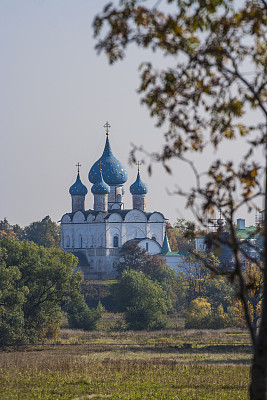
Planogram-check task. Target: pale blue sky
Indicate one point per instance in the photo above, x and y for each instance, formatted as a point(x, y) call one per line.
point(55, 96)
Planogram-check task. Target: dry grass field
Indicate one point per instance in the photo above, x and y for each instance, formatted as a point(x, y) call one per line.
point(170, 364)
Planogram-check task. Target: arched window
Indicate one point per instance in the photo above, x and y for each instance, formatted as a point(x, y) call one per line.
point(81, 242)
point(115, 241)
point(68, 241)
point(146, 246)
point(153, 237)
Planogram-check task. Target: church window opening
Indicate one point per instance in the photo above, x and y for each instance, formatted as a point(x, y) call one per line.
point(68, 241)
point(116, 241)
point(146, 246)
point(81, 242)
point(153, 237)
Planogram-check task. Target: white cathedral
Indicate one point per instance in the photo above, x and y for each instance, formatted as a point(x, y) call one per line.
point(96, 235)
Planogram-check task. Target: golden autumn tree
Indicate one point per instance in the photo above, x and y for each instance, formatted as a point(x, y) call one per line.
point(217, 71)
point(254, 282)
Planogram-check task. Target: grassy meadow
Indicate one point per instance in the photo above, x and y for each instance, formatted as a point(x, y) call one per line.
point(169, 364)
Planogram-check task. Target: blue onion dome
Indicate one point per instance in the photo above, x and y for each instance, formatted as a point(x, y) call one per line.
point(138, 187)
point(113, 171)
point(78, 189)
point(100, 187)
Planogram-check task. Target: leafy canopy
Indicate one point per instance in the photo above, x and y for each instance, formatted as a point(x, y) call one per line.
point(212, 44)
point(44, 233)
point(144, 301)
point(217, 71)
point(133, 257)
point(35, 283)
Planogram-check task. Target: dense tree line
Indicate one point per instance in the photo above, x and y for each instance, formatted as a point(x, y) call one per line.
point(44, 233)
point(148, 290)
point(36, 284)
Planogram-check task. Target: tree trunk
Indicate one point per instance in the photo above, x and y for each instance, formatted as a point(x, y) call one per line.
point(258, 386)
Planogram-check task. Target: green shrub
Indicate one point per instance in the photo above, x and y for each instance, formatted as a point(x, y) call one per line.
point(143, 301)
point(80, 316)
point(12, 328)
point(95, 292)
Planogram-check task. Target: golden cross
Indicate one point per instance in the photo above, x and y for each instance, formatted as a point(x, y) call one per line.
point(107, 126)
point(100, 166)
point(78, 165)
point(138, 165)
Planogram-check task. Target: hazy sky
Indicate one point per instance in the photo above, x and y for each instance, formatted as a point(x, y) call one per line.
point(55, 96)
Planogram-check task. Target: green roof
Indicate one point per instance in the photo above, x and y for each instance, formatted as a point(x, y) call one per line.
point(174, 253)
point(165, 248)
point(170, 254)
point(249, 232)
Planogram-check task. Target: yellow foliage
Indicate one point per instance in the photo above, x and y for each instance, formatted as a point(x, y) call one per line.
point(198, 310)
point(10, 234)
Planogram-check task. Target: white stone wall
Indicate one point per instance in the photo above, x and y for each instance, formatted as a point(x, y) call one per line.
point(101, 202)
point(135, 225)
point(79, 233)
point(200, 243)
point(177, 262)
point(118, 194)
point(77, 203)
point(150, 245)
point(115, 198)
point(112, 194)
point(95, 238)
point(139, 202)
point(157, 227)
point(102, 263)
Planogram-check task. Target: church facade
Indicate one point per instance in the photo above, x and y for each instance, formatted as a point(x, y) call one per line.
point(96, 235)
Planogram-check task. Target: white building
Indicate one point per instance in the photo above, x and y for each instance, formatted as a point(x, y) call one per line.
point(96, 235)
